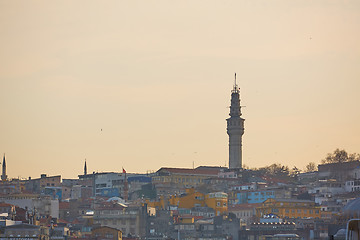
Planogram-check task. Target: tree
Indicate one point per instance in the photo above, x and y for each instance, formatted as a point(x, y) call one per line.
point(274, 169)
point(311, 167)
point(340, 156)
point(295, 171)
point(244, 166)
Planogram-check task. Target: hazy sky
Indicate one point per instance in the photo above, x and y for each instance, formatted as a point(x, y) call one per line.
point(156, 77)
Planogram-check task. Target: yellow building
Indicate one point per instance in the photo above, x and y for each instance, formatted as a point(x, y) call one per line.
point(289, 208)
point(217, 201)
point(189, 200)
point(186, 220)
point(169, 181)
point(156, 204)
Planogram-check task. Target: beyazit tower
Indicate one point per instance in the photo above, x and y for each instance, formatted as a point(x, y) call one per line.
point(235, 129)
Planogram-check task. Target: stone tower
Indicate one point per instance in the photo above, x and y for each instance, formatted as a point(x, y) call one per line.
point(3, 175)
point(235, 129)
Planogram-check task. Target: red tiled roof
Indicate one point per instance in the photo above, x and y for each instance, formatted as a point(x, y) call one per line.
point(5, 205)
point(76, 221)
point(191, 171)
point(27, 191)
point(64, 205)
point(62, 221)
point(224, 179)
point(44, 220)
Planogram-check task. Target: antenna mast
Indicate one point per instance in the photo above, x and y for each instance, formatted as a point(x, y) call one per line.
point(235, 85)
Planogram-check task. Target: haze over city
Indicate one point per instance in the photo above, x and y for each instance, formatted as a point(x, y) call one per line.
point(146, 84)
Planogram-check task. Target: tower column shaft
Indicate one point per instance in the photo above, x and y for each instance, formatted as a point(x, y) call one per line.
point(235, 151)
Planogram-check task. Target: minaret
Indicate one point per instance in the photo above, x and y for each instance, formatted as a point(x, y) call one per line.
point(3, 175)
point(235, 129)
point(85, 168)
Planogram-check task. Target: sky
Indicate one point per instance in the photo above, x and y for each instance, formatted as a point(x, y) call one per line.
point(142, 85)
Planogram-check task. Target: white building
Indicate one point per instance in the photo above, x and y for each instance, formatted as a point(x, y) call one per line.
point(352, 186)
point(110, 184)
point(43, 205)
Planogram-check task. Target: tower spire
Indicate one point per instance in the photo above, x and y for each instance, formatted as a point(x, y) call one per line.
point(235, 129)
point(85, 168)
point(3, 175)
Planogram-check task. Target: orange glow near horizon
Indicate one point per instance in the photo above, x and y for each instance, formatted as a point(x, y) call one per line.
point(147, 84)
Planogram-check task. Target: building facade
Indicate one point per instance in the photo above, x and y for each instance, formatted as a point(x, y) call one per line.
point(26, 232)
point(106, 233)
point(129, 219)
point(261, 195)
point(38, 185)
point(288, 208)
point(192, 199)
point(110, 184)
point(169, 181)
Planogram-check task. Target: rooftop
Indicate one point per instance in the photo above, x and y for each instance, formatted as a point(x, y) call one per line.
point(196, 171)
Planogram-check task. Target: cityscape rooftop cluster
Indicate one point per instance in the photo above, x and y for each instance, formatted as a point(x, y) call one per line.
point(206, 202)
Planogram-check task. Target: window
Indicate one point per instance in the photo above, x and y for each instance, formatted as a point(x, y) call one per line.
point(218, 204)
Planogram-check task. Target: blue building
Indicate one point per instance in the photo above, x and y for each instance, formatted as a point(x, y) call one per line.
point(258, 196)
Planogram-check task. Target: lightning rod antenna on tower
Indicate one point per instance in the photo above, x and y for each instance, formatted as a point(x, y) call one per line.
point(235, 85)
